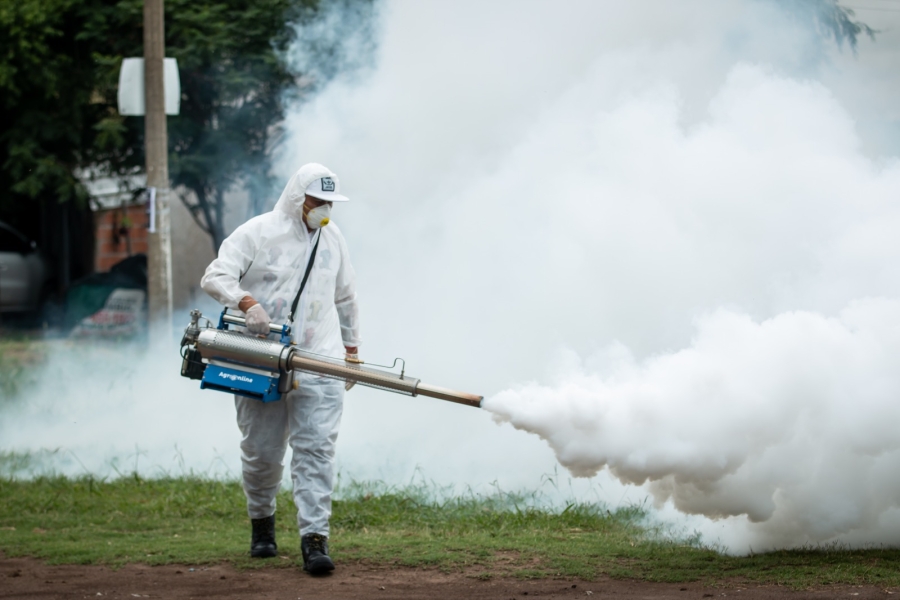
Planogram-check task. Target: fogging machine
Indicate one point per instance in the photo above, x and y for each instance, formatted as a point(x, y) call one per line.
point(261, 368)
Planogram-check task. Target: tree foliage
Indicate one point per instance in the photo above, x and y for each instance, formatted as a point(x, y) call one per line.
point(234, 80)
point(47, 84)
point(59, 74)
point(833, 21)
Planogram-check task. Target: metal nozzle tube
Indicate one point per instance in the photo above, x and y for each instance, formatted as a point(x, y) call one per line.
point(379, 379)
point(433, 391)
point(340, 369)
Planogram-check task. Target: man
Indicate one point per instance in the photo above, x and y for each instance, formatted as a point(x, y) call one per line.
point(259, 271)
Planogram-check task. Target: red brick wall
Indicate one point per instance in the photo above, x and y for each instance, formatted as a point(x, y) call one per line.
point(109, 251)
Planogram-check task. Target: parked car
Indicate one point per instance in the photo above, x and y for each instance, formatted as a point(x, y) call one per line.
point(24, 273)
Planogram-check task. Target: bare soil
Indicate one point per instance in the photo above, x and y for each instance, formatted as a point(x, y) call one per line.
point(32, 578)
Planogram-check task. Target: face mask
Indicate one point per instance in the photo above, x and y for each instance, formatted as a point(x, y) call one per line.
point(319, 216)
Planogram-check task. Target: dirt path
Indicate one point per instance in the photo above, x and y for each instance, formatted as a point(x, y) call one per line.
point(30, 578)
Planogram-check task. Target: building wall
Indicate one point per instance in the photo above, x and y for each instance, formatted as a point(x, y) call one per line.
point(192, 251)
point(118, 234)
point(192, 248)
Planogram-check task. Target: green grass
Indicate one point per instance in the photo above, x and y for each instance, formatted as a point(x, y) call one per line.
point(196, 521)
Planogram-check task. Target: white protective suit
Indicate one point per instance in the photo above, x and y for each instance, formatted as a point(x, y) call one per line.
point(266, 258)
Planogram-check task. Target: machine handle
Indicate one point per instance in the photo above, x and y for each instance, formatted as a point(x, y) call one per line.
point(236, 320)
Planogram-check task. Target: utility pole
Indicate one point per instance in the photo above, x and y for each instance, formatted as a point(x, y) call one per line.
point(159, 267)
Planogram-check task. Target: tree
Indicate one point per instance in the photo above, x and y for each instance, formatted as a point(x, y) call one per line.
point(234, 80)
point(49, 131)
point(46, 80)
point(832, 20)
point(59, 63)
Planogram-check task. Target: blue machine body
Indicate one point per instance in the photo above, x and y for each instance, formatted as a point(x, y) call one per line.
point(244, 381)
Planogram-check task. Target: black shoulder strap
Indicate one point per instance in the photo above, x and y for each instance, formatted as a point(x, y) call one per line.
point(309, 266)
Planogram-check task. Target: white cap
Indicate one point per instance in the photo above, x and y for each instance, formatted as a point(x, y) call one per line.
point(326, 188)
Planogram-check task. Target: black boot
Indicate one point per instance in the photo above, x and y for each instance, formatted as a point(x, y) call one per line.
point(262, 543)
point(315, 554)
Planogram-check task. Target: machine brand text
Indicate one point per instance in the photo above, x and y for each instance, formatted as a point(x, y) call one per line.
point(234, 377)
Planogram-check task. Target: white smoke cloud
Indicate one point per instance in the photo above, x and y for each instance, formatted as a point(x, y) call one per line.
point(789, 421)
point(110, 410)
point(530, 176)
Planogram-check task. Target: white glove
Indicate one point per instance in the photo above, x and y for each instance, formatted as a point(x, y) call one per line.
point(257, 320)
point(350, 358)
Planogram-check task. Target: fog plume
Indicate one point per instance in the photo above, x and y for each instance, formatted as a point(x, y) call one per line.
point(789, 421)
point(699, 200)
